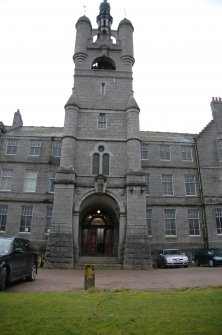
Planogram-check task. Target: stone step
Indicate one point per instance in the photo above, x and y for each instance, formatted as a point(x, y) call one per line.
point(99, 263)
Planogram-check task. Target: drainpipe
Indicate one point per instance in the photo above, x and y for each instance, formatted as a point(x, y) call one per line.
point(204, 226)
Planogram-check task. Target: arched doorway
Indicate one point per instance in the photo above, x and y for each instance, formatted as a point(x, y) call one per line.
point(99, 227)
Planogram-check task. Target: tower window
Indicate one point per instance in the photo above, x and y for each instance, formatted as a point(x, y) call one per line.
point(100, 162)
point(103, 88)
point(103, 63)
point(102, 121)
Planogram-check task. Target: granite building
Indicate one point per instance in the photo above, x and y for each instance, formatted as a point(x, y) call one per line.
point(99, 189)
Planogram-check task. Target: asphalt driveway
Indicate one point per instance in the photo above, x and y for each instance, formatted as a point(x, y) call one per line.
point(156, 279)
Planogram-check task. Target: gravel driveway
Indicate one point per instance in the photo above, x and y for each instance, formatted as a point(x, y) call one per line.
point(156, 279)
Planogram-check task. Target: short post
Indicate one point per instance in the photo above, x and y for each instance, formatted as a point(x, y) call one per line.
point(89, 276)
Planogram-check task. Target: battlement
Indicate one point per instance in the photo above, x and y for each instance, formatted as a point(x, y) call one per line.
point(217, 100)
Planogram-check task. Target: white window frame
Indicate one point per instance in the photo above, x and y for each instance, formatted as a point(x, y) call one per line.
point(35, 148)
point(165, 154)
point(11, 148)
point(26, 219)
point(170, 222)
point(167, 185)
point(30, 181)
point(48, 219)
point(194, 221)
point(3, 216)
point(56, 148)
point(190, 185)
point(187, 153)
point(6, 180)
point(144, 151)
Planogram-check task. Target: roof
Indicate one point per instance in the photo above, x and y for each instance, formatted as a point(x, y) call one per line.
point(36, 131)
point(155, 136)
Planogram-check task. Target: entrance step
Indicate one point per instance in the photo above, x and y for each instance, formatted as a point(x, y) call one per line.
point(99, 262)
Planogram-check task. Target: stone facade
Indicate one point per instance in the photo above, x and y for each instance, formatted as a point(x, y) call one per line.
point(101, 187)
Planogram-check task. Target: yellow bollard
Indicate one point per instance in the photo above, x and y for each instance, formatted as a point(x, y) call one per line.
point(89, 276)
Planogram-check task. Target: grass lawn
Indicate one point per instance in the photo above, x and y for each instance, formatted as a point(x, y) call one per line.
point(123, 312)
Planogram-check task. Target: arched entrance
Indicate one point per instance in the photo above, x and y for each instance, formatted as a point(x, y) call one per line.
point(99, 226)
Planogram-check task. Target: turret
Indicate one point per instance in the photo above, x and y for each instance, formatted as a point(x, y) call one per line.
point(125, 31)
point(133, 135)
point(17, 120)
point(83, 35)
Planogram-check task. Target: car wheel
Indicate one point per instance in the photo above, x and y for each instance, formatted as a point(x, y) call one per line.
point(186, 266)
point(33, 273)
point(211, 262)
point(2, 279)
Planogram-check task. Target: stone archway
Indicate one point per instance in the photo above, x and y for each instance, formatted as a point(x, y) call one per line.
point(99, 226)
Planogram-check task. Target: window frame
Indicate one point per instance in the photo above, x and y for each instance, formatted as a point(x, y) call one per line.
point(167, 185)
point(3, 217)
point(56, 148)
point(187, 153)
point(12, 145)
point(193, 216)
point(30, 180)
point(190, 186)
point(218, 219)
point(144, 151)
point(6, 180)
point(35, 148)
point(102, 121)
point(48, 219)
point(149, 220)
point(169, 220)
point(26, 219)
point(165, 153)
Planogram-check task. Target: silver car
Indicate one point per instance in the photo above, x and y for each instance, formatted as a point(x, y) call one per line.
point(172, 258)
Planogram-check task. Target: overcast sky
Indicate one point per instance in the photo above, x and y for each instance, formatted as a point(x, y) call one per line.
point(177, 49)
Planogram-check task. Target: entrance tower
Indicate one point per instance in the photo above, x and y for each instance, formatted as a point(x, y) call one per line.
point(100, 203)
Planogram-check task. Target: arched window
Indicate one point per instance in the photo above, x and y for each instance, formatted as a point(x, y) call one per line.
point(95, 169)
point(103, 63)
point(105, 167)
point(100, 163)
point(102, 118)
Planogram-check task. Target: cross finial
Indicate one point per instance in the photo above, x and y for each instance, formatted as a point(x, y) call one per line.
point(84, 6)
point(125, 12)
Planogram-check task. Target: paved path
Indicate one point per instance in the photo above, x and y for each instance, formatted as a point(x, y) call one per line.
point(156, 279)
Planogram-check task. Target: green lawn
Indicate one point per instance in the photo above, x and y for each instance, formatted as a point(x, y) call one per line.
point(123, 312)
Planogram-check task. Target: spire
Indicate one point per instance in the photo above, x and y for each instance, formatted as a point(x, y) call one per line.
point(104, 19)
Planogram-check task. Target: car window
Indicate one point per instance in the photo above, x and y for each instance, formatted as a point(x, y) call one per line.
point(18, 243)
point(5, 245)
point(27, 245)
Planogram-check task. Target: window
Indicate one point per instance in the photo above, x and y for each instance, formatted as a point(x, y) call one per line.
point(187, 153)
point(165, 153)
point(30, 181)
point(170, 221)
point(56, 148)
point(52, 182)
point(48, 219)
point(3, 216)
point(105, 166)
point(144, 151)
point(34, 149)
point(167, 184)
point(218, 212)
point(102, 121)
point(190, 184)
point(193, 219)
point(11, 147)
point(148, 221)
point(100, 164)
point(103, 88)
point(147, 181)
point(6, 180)
point(26, 219)
point(95, 164)
point(219, 149)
